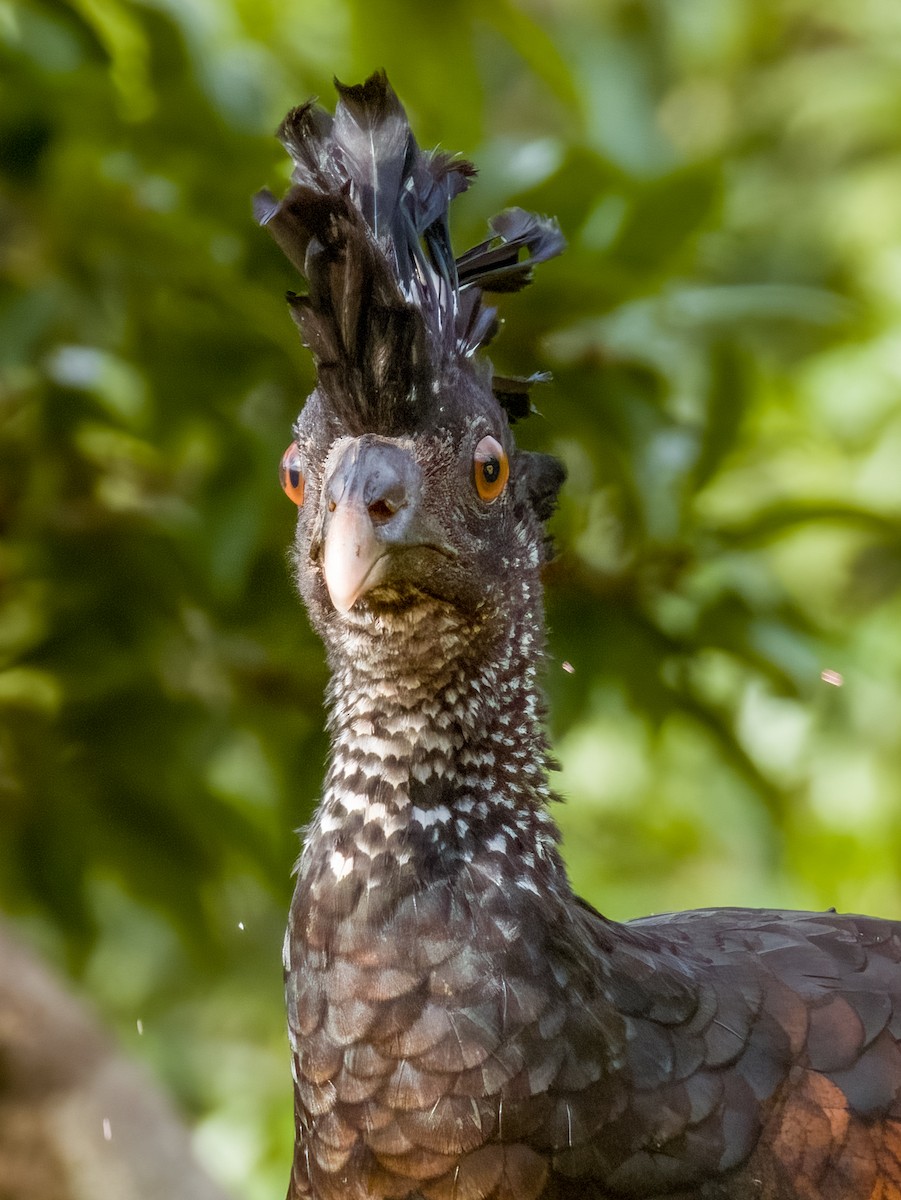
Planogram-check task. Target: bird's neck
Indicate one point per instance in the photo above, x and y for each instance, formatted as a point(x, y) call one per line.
point(439, 755)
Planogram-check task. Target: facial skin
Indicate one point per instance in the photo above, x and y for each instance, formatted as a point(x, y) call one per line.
point(388, 522)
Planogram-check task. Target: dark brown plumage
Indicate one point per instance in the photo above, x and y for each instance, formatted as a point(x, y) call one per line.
point(463, 1026)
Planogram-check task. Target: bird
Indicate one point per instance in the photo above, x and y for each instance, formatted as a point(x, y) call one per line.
point(462, 1025)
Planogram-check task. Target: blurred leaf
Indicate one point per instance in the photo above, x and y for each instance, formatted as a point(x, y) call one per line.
point(663, 216)
point(778, 519)
point(122, 37)
point(728, 397)
point(538, 50)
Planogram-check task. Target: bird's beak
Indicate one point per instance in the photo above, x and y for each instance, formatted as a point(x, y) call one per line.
point(352, 556)
point(371, 509)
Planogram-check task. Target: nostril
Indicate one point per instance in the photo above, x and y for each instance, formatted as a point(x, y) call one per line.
point(383, 509)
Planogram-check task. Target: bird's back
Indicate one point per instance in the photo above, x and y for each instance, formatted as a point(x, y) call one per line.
point(530, 1048)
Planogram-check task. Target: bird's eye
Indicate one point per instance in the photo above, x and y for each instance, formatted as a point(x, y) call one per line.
point(291, 476)
point(492, 469)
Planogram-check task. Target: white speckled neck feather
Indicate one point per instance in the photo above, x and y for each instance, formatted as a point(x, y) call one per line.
point(438, 750)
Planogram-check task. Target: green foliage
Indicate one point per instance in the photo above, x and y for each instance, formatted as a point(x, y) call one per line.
point(722, 333)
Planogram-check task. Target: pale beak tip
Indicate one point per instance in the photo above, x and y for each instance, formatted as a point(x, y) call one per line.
point(343, 602)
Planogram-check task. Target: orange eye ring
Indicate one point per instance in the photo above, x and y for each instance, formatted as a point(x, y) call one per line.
point(290, 475)
point(492, 469)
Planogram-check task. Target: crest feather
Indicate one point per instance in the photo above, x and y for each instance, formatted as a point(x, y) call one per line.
point(366, 223)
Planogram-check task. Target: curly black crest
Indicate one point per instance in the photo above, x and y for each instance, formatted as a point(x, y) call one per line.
point(389, 308)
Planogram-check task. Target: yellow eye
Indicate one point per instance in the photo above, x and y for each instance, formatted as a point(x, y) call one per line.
point(290, 475)
point(492, 469)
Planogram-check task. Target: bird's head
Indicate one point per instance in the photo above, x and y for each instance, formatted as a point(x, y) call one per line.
point(412, 496)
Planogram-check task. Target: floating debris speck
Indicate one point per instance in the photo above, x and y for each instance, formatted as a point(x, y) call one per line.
point(107, 1130)
point(568, 668)
point(835, 678)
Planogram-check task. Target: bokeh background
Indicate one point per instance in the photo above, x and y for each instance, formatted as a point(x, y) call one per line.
point(725, 343)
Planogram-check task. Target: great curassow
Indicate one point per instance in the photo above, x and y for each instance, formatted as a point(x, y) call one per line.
point(463, 1026)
